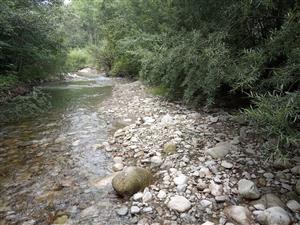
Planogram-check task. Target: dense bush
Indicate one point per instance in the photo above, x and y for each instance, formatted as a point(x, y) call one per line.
point(77, 59)
point(189, 50)
point(31, 42)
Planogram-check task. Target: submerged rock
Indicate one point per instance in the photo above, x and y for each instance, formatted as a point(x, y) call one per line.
point(131, 180)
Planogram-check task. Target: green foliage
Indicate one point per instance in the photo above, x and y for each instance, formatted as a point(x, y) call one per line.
point(192, 53)
point(31, 45)
point(24, 106)
point(77, 59)
point(6, 82)
point(277, 116)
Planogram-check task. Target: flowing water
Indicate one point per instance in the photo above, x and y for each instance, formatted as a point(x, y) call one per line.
point(51, 165)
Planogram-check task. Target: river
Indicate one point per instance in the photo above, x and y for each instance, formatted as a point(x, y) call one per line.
point(51, 164)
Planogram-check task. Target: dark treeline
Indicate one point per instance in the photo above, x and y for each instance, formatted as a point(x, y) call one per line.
point(197, 51)
point(31, 40)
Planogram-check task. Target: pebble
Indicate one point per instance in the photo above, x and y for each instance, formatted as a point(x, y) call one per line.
point(134, 210)
point(294, 206)
point(181, 179)
point(123, 211)
point(179, 204)
point(226, 165)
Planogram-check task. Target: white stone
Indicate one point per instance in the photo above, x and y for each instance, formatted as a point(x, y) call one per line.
point(148, 120)
point(156, 161)
point(226, 165)
point(118, 167)
point(179, 204)
point(167, 120)
point(147, 196)
point(162, 194)
point(274, 216)
point(205, 203)
point(247, 189)
point(147, 209)
point(137, 196)
point(215, 189)
point(204, 172)
point(293, 205)
point(118, 159)
point(181, 179)
point(181, 188)
point(134, 210)
point(208, 223)
point(122, 211)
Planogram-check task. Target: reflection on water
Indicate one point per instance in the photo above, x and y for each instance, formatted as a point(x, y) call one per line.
point(50, 164)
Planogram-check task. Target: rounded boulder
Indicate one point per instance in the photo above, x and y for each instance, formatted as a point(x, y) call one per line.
point(131, 180)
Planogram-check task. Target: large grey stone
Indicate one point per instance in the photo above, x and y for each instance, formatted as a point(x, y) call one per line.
point(220, 150)
point(247, 189)
point(131, 180)
point(239, 215)
point(269, 200)
point(274, 216)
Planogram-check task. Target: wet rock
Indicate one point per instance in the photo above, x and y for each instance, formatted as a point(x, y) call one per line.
point(61, 220)
point(247, 189)
point(170, 148)
point(123, 211)
point(131, 180)
point(274, 216)
point(220, 150)
point(293, 206)
point(269, 200)
point(239, 215)
point(179, 204)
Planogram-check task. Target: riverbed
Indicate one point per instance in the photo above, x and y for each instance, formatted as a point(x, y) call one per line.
point(52, 164)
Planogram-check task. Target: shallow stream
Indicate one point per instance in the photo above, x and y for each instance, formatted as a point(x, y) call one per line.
point(51, 165)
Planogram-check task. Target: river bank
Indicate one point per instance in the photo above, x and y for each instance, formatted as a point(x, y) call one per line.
point(209, 159)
